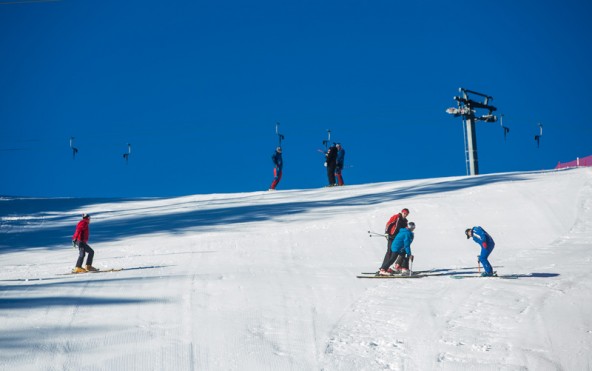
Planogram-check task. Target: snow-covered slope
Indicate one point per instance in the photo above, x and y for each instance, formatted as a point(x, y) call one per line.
point(266, 280)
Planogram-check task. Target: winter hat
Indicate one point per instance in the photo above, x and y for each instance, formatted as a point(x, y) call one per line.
point(405, 210)
point(467, 232)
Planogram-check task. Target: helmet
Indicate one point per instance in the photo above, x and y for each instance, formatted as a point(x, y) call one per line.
point(85, 216)
point(279, 149)
point(411, 225)
point(467, 233)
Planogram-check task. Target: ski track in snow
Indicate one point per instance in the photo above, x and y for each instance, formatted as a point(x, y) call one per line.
point(275, 289)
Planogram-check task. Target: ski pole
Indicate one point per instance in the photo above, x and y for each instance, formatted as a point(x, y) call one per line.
point(478, 264)
point(375, 234)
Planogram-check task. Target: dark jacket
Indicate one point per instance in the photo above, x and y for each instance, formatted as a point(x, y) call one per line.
point(331, 157)
point(277, 160)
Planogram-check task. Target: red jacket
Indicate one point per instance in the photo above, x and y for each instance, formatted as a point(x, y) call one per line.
point(395, 223)
point(82, 231)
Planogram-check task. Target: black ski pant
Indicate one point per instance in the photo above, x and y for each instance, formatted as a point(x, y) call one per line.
point(331, 174)
point(84, 248)
point(387, 255)
point(393, 258)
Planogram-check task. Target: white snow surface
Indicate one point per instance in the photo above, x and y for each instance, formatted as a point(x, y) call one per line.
point(267, 280)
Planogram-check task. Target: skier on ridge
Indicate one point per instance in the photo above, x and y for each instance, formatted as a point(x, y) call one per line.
point(331, 163)
point(277, 170)
point(339, 163)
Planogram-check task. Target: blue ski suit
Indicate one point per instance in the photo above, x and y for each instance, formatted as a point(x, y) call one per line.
point(402, 242)
point(487, 244)
point(339, 165)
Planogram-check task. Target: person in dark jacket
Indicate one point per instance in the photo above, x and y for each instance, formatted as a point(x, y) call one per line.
point(80, 240)
point(331, 163)
point(393, 226)
point(339, 163)
point(487, 244)
point(278, 163)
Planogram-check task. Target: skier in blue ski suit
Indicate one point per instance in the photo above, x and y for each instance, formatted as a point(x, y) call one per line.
point(487, 244)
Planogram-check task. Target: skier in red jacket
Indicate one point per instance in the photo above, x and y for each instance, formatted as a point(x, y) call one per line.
point(80, 240)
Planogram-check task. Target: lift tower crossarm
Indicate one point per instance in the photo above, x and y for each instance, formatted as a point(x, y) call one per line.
point(471, 103)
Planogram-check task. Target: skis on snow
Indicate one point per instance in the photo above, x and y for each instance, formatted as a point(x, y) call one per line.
point(503, 276)
point(415, 274)
point(93, 272)
point(391, 276)
point(435, 273)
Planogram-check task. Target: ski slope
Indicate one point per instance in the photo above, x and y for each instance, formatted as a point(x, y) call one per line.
point(266, 280)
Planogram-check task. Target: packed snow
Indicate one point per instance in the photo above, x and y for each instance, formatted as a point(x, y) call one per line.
point(267, 280)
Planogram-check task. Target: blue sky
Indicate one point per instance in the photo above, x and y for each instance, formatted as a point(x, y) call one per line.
point(197, 88)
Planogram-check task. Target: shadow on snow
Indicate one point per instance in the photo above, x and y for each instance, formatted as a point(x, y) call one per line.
point(137, 224)
point(65, 301)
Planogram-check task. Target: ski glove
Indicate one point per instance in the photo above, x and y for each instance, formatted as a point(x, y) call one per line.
point(74, 243)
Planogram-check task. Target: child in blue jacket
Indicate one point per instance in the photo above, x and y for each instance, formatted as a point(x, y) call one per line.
point(487, 244)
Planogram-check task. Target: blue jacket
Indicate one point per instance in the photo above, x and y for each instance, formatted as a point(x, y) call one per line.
point(277, 160)
point(482, 238)
point(340, 157)
point(402, 242)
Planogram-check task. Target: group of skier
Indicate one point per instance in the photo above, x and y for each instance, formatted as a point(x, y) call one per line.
point(399, 234)
point(334, 161)
point(399, 231)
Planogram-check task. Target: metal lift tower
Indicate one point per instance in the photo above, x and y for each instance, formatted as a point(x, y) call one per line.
point(466, 109)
